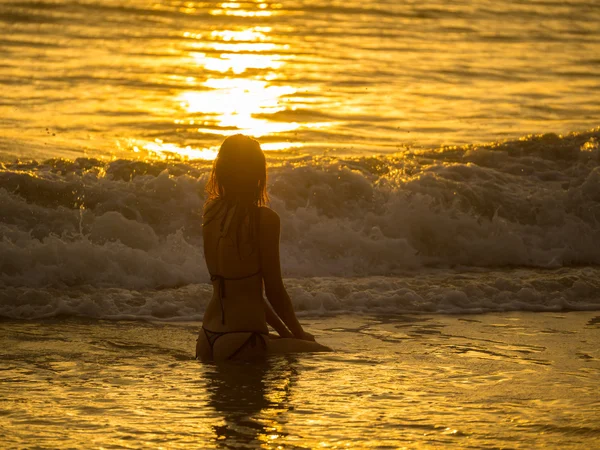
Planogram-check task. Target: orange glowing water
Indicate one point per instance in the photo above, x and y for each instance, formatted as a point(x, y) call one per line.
point(171, 78)
point(520, 380)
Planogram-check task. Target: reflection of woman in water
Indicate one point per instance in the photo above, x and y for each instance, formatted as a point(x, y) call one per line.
point(252, 401)
point(241, 247)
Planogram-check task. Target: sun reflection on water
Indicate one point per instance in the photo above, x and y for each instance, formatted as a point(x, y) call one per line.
point(238, 63)
point(164, 150)
point(234, 9)
point(234, 101)
point(250, 34)
point(239, 86)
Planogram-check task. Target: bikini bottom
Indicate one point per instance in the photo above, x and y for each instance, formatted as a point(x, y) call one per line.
point(252, 341)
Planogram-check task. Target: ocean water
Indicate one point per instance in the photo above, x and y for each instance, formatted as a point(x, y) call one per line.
point(511, 380)
point(436, 168)
point(138, 78)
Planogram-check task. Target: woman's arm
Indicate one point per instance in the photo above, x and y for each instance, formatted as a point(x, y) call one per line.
point(275, 322)
point(271, 271)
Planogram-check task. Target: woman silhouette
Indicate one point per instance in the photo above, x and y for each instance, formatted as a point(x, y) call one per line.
point(241, 247)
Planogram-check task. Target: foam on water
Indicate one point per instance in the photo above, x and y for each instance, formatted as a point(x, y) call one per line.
point(84, 237)
point(429, 291)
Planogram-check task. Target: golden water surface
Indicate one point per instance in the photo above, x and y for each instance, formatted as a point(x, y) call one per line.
point(514, 380)
point(171, 78)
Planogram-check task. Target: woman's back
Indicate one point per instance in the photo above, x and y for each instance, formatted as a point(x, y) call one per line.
point(232, 252)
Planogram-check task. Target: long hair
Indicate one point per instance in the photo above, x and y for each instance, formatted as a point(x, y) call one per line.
point(238, 179)
point(239, 173)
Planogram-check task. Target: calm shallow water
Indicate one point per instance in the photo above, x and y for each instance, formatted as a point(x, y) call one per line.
point(518, 380)
point(136, 79)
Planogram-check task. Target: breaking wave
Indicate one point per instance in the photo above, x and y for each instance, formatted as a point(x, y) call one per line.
point(128, 226)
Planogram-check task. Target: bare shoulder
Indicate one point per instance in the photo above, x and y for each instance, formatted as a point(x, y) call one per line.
point(268, 217)
point(210, 203)
point(211, 209)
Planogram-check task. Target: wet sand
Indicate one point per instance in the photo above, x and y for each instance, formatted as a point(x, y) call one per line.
point(514, 380)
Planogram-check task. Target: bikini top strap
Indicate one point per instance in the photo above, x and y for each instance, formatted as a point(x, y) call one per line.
point(221, 279)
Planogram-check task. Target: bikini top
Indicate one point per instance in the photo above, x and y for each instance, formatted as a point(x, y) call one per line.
point(224, 229)
point(221, 279)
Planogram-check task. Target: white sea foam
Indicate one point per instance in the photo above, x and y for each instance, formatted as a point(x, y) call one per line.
point(430, 291)
point(132, 226)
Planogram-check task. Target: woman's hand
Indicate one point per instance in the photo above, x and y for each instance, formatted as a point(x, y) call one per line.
point(306, 336)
